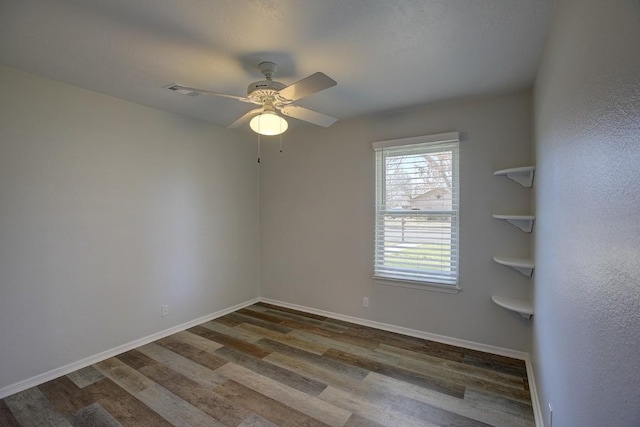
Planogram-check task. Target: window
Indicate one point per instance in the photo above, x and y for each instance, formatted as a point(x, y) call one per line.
point(417, 191)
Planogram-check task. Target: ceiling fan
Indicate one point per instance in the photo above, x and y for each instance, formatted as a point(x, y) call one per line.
point(274, 97)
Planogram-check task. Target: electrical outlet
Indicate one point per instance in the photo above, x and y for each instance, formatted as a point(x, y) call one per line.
point(365, 302)
point(164, 310)
point(550, 415)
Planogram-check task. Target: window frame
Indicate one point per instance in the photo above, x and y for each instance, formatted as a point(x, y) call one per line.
point(405, 277)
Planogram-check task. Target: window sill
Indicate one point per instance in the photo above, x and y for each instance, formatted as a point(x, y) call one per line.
point(423, 286)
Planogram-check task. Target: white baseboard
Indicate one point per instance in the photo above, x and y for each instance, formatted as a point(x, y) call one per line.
point(432, 337)
point(83, 363)
point(535, 401)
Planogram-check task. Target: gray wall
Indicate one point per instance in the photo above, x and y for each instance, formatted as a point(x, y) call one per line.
point(586, 335)
point(107, 211)
point(317, 219)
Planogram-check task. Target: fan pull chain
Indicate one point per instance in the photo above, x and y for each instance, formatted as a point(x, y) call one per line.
point(280, 143)
point(258, 148)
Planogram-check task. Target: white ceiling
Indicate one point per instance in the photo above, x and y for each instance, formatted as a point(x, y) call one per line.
point(384, 54)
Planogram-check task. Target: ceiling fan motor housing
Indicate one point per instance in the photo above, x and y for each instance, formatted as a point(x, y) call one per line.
point(263, 89)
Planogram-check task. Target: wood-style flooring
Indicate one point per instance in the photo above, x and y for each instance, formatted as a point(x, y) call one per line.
point(271, 366)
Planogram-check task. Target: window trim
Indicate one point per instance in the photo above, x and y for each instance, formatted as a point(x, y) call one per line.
point(435, 139)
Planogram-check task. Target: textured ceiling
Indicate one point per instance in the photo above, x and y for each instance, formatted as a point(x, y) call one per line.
point(384, 54)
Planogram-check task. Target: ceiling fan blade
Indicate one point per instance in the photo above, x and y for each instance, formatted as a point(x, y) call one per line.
point(191, 91)
point(245, 118)
point(307, 115)
point(307, 86)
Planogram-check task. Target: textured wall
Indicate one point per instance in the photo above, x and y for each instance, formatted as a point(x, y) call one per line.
point(586, 340)
point(317, 219)
point(107, 211)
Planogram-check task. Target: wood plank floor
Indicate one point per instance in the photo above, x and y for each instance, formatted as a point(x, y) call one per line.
point(271, 366)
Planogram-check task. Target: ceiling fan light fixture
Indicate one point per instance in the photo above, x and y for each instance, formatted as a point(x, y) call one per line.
point(268, 123)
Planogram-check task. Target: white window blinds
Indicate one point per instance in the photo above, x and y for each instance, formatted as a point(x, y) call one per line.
point(417, 193)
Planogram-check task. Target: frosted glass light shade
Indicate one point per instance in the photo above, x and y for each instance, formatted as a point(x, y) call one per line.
point(268, 123)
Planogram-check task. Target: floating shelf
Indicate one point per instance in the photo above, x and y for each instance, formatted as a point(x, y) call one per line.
point(523, 307)
point(523, 222)
point(522, 265)
point(523, 175)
